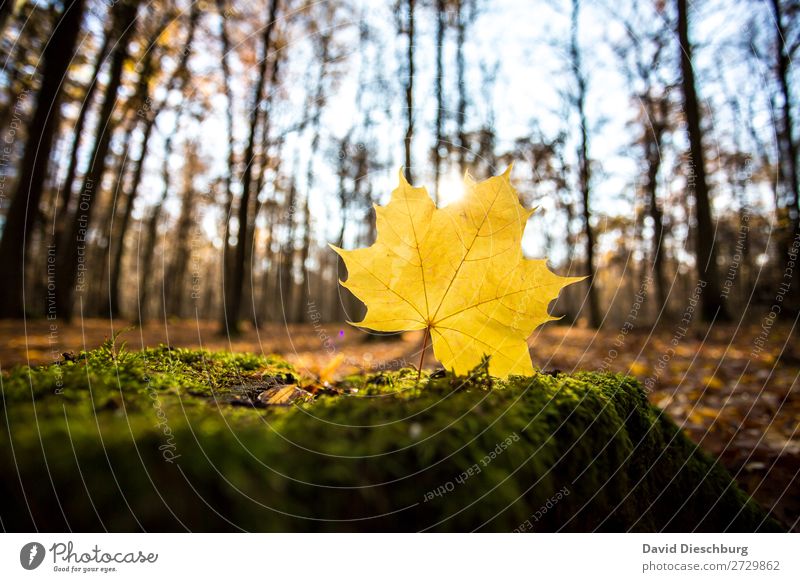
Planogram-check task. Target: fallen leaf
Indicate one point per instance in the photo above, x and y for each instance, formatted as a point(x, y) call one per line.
point(328, 373)
point(639, 369)
point(713, 382)
point(282, 395)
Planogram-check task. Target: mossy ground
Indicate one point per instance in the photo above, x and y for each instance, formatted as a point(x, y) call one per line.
point(169, 439)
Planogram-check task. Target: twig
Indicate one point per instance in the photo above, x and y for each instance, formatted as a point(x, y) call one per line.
point(422, 353)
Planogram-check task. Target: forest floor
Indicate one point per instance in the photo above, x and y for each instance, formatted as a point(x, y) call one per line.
point(733, 389)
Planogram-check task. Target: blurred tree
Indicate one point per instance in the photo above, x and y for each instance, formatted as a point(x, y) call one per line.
point(786, 44)
point(68, 185)
point(144, 264)
point(225, 65)
point(578, 101)
point(145, 115)
point(265, 161)
point(438, 145)
point(465, 15)
point(642, 53)
point(323, 37)
point(71, 248)
point(234, 293)
point(6, 8)
point(406, 25)
point(317, 91)
point(713, 307)
point(175, 284)
point(21, 216)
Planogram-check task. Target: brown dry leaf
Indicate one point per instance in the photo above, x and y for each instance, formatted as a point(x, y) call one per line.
point(283, 395)
point(328, 373)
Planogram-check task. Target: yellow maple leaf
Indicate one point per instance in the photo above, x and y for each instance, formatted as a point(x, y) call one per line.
point(458, 272)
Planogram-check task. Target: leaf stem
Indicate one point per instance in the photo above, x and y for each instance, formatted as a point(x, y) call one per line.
point(422, 353)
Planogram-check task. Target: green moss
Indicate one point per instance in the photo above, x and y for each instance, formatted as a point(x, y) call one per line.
point(168, 439)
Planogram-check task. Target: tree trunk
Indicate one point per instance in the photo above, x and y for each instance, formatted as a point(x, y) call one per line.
point(410, 35)
point(145, 267)
point(118, 241)
point(249, 285)
point(72, 247)
point(787, 163)
point(233, 297)
point(175, 284)
point(287, 259)
point(303, 292)
point(339, 293)
point(712, 306)
point(149, 114)
point(228, 209)
point(102, 250)
point(439, 138)
point(267, 312)
point(584, 165)
point(72, 169)
point(6, 8)
point(303, 289)
point(461, 108)
point(657, 113)
point(24, 209)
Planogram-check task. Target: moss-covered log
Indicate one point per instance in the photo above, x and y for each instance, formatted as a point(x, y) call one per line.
point(179, 439)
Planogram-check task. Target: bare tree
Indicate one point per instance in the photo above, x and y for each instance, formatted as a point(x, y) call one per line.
point(287, 252)
point(786, 12)
point(70, 247)
point(406, 25)
point(231, 144)
point(175, 284)
point(233, 297)
point(465, 14)
point(642, 54)
point(6, 8)
point(712, 307)
point(69, 181)
point(441, 23)
point(146, 113)
point(150, 237)
point(322, 46)
point(21, 216)
point(578, 101)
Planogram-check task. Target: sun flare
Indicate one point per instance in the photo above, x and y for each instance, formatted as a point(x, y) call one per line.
point(451, 189)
